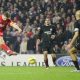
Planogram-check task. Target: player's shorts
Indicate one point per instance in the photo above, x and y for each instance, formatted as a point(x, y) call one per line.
point(47, 46)
point(77, 45)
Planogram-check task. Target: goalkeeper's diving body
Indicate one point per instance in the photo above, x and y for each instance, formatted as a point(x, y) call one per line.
point(4, 21)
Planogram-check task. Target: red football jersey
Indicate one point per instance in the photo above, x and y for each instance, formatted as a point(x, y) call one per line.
point(3, 24)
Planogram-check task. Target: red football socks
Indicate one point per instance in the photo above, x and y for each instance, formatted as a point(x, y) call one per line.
point(6, 49)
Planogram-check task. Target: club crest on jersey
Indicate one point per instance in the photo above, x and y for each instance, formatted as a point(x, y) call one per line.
point(48, 32)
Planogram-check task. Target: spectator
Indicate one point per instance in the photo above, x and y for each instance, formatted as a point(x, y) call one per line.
point(23, 46)
point(17, 45)
point(31, 44)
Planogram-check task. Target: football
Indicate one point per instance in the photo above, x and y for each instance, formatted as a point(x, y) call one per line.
point(32, 60)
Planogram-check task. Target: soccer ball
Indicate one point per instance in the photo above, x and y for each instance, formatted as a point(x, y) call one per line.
point(32, 60)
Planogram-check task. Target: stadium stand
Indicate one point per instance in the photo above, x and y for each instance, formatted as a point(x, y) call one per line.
point(30, 14)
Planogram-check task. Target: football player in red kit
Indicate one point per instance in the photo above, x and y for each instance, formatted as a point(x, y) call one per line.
point(4, 21)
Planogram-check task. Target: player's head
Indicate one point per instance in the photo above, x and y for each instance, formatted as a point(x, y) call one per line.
point(47, 21)
point(7, 14)
point(77, 15)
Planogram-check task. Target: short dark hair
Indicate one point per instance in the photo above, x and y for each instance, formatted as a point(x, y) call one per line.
point(7, 14)
point(77, 4)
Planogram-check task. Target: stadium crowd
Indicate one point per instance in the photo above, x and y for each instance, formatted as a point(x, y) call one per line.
point(30, 14)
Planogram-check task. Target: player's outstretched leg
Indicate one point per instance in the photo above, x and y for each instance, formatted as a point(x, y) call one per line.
point(73, 55)
point(7, 49)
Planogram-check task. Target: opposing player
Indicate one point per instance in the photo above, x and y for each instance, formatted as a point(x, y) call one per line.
point(46, 35)
point(4, 21)
point(72, 50)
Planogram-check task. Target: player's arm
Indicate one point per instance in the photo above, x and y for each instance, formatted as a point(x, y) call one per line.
point(4, 17)
point(40, 31)
point(14, 25)
point(11, 23)
point(53, 35)
point(38, 41)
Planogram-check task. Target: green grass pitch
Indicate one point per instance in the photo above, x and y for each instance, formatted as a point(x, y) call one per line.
point(38, 73)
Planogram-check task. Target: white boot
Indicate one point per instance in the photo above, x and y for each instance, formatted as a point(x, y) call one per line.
point(3, 54)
